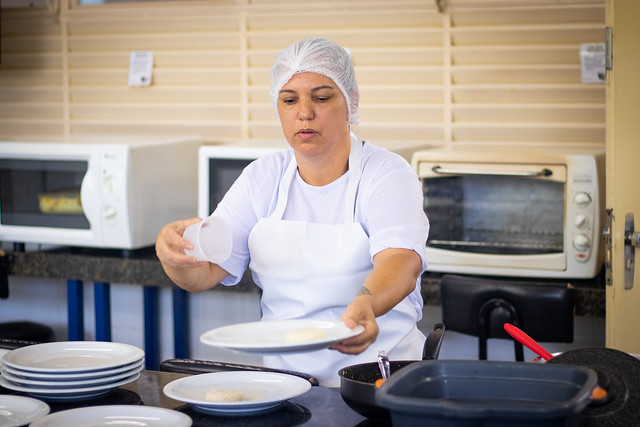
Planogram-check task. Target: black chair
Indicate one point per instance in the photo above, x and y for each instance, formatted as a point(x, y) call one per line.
point(21, 333)
point(481, 306)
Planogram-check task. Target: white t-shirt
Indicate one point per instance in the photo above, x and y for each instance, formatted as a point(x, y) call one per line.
point(389, 205)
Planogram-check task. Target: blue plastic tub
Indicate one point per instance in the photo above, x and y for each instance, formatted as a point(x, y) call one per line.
point(486, 393)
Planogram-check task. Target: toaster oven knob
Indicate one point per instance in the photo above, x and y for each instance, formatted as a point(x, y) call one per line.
point(581, 221)
point(582, 199)
point(581, 242)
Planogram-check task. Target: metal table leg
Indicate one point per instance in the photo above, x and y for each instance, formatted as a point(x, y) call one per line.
point(75, 310)
point(102, 301)
point(151, 340)
point(181, 323)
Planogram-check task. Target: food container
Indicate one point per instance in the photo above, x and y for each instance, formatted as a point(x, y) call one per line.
point(486, 393)
point(357, 382)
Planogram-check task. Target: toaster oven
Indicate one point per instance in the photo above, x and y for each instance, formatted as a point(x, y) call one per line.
point(508, 211)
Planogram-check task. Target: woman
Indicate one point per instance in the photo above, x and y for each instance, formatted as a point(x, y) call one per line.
point(332, 228)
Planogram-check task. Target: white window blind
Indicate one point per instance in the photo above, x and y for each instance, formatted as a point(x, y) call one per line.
point(477, 72)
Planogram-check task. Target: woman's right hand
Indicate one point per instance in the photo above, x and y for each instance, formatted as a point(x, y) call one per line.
point(170, 245)
point(185, 270)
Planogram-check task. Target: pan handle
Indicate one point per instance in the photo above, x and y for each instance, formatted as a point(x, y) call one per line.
point(433, 342)
point(194, 366)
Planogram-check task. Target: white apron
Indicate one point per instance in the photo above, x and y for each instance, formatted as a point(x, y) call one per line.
point(313, 271)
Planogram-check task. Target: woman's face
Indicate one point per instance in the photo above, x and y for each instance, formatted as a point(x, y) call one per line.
point(314, 114)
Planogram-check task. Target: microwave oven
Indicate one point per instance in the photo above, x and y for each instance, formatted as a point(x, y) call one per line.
point(220, 165)
point(521, 212)
point(95, 191)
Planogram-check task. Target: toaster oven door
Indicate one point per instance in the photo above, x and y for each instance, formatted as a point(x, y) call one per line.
point(42, 193)
point(513, 210)
point(495, 218)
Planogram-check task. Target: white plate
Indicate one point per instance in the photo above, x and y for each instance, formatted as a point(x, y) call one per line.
point(115, 415)
point(261, 390)
point(270, 336)
point(19, 410)
point(76, 376)
point(27, 382)
point(67, 394)
point(72, 356)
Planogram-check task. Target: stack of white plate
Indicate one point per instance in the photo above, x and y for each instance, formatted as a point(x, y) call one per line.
point(70, 370)
point(2, 353)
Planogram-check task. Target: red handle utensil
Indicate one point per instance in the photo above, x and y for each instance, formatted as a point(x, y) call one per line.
point(527, 341)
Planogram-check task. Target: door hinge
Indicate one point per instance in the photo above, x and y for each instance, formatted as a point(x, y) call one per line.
point(606, 234)
point(608, 48)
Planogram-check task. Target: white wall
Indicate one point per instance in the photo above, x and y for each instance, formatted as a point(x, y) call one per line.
point(44, 300)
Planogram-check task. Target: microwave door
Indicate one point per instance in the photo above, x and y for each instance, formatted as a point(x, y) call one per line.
point(42, 193)
point(221, 173)
point(43, 200)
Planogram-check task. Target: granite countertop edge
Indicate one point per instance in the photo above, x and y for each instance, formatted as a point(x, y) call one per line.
point(144, 268)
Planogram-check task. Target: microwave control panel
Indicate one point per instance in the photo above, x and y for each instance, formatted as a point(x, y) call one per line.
point(113, 164)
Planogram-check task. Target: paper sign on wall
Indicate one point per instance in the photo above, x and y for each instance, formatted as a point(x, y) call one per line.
point(593, 63)
point(140, 68)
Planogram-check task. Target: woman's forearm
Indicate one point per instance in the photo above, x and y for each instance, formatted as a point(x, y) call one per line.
point(393, 278)
point(196, 279)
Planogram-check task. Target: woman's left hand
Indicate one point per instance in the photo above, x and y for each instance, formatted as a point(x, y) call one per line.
point(359, 312)
point(393, 277)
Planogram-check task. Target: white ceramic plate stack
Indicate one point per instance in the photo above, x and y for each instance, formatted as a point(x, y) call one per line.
point(70, 370)
point(2, 353)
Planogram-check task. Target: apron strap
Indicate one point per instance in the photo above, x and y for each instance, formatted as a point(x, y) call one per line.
point(283, 188)
point(355, 162)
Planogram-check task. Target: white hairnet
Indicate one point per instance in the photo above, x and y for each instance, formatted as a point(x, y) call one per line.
point(321, 56)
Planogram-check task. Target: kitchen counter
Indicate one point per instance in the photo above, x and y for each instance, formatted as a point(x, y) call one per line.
point(320, 406)
point(140, 267)
point(143, 268)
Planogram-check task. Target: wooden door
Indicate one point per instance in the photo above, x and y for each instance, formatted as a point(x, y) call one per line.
point(623, 171)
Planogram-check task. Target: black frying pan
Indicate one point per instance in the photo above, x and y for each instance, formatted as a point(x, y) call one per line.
point(619, 374)
point(357, 382)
